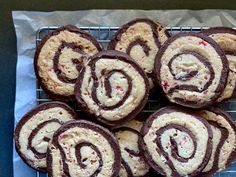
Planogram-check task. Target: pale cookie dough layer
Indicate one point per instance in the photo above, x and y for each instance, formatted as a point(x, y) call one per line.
point(112, 87)
point(183, 138)
point(134, 124)
point(226, 38)
point(133, 162)
point(191, 69)
point(224, 139)
point(141, 39)
point(82, 148)
point(59, 58)
point(35, 130)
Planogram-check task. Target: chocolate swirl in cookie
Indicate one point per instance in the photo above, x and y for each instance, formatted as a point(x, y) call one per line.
point(133, 163)
point(59, 58)
point(226, 39)
point(35, 130)
point(224, 140)
point(191, 69)
point(176, 143)
point(82, 148)
point(141, 39)
point(112, 87)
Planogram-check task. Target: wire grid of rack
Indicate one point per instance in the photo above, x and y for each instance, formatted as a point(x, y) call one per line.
point(103, 35)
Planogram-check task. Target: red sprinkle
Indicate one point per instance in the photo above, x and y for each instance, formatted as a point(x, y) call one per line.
point(118, 87)
point(202, 43)
point(165, 84)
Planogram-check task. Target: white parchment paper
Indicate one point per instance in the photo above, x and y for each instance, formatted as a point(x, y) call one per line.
point(27, 23)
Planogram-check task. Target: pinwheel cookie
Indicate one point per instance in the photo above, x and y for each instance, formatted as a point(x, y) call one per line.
point(133, 163)
point(191, 69)
point(82, 148)
point(112, 87)
point(176, 143)
point(226, 38)
point(59, 58)
point(224, 140)
point(35, 131)
point(141, 39)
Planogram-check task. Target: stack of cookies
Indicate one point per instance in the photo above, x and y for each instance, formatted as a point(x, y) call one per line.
point(195, 71)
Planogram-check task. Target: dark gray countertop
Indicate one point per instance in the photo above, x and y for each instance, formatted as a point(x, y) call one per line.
point(8, 49)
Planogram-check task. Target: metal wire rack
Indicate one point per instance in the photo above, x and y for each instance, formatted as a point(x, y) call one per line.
point(103, 35)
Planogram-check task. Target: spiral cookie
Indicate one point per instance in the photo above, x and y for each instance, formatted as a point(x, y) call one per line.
point(191, 69)
point(59, 58)
point(112, 87)
point(35, 130)
point(141, 39)
point(224, 140)
point(82, 148)
point(176, 143)
point(226, 38)
point(133, 163)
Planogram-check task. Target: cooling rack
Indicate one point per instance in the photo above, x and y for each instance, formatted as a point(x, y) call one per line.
point(103, 35)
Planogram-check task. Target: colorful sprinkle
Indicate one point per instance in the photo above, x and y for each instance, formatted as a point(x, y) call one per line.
point(165, 84)
point(118, 87)
point(203, 43)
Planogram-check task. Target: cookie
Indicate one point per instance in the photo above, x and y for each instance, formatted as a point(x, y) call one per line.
point(224, 140)
point(191, 69)
point(176, 143)
point(82, 148)
point(35, 130)
point(141, 39)
point(226, 38)
point(133, 163)
point(59, 58)
point(112, 87)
